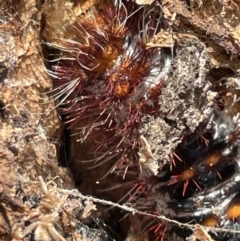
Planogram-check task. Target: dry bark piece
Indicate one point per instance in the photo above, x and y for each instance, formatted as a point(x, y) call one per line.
point(200, 233)
point(185, 101)
point(216, 22)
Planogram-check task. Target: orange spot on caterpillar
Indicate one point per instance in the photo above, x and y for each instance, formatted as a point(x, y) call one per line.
point(107, 59)
point(233, 211)
point(185, 177)
point(211, 221)
point(212, 159)
point(131, 72)
point(121, 90)
point(187, 174)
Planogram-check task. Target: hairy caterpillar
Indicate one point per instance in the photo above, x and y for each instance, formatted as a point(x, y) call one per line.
point(107, 78)
point(203, 184)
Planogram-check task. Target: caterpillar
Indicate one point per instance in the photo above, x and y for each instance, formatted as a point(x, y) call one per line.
point(202, 186)
point(107, 78)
